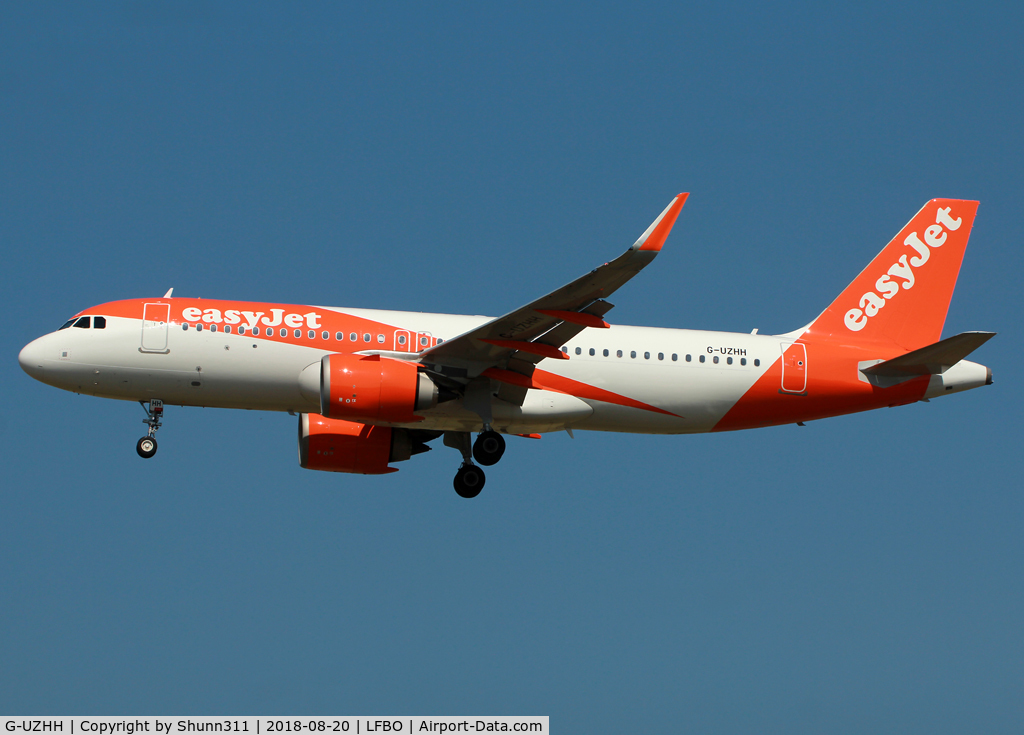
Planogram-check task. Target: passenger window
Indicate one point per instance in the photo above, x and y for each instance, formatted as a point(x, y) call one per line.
point(297, 333)
point(99, 322)
point(325, 335)
point(241, 330)
point(311, 334)
point(618, 353)
point(728, 360)
point(702, 358)
point(82, 323)
point(743, 361)
point(338, 336)
point(380, 339)
point(199, 327)
point(579, 350)
point(439, 341)
point(715, 358)
point(757, 363)
point(606, 353)
point(255, 331)
point(632, 354)
point(184, 327)
point(401, 339)
point(423, 341)
point(227, 329)
point(661, 355)
point(66, 324)
point(353, 337)
point(366, 337)
point(647, 355)
point(565, 349)
point(688, 359)
point(213, 327)
point(592, 352)
point(283, 332)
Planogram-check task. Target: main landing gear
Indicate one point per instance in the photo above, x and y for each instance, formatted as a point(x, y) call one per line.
point(469, 480)
point(487, 450)
point(146, 446)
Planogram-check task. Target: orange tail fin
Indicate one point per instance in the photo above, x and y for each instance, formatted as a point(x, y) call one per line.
point(903, 295)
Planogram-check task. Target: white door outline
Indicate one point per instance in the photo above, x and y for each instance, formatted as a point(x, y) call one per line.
point(407, 347)
point(155, 318)
point(795, 354)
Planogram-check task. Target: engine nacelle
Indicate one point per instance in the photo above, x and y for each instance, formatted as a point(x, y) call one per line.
point(334, 445)
point(373, 388)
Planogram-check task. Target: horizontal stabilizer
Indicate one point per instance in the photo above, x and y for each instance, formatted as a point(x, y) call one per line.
point(934, 359)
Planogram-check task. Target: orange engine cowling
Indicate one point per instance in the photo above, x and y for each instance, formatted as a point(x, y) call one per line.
point(335, 445)
point(373, 388)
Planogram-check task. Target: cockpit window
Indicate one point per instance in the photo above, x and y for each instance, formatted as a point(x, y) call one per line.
point(67, 324)
point(83, 322)
point(99, 322)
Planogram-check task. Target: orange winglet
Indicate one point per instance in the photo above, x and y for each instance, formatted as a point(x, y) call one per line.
point(576, 317)
point(512, 378)
point(655, 236)
point(533, 348)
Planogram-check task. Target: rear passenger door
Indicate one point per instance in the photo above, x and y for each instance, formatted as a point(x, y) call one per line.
point(794, 367)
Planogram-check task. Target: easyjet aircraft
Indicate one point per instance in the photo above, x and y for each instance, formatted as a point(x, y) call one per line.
point(373, 387)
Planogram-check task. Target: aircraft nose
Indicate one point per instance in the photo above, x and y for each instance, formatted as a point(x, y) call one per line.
point(31, 359)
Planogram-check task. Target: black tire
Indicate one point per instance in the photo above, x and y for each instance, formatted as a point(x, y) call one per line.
point(488, 448)
point(146, 447)
point(469, 481)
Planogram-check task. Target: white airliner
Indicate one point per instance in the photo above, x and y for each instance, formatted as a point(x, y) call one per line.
point(373, 387)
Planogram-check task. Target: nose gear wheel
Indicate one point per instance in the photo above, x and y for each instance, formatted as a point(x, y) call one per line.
point(146, 447)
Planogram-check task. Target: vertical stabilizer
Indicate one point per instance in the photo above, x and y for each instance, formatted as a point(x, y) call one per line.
point(903, 295)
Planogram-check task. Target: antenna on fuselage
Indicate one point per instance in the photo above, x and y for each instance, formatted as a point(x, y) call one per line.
point(169, 292)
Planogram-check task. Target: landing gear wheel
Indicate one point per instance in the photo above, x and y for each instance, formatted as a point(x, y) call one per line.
point(469, 481)
point(146, 447)
point(488, 448)
point(154, 409)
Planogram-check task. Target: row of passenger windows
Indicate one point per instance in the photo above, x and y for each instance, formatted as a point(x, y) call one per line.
point(661, 356)
point(86, 322)
point(311, 334)
point(99, 322)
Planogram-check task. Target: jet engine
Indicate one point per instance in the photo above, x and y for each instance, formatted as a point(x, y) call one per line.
point(335, 445)
point(373, 388)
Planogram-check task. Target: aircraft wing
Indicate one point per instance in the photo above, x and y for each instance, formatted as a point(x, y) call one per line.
point(520, 339)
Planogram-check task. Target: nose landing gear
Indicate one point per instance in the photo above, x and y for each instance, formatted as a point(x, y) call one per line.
point(146, 446)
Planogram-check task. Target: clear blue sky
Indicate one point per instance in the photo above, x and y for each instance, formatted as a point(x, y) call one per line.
point(862, 574)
